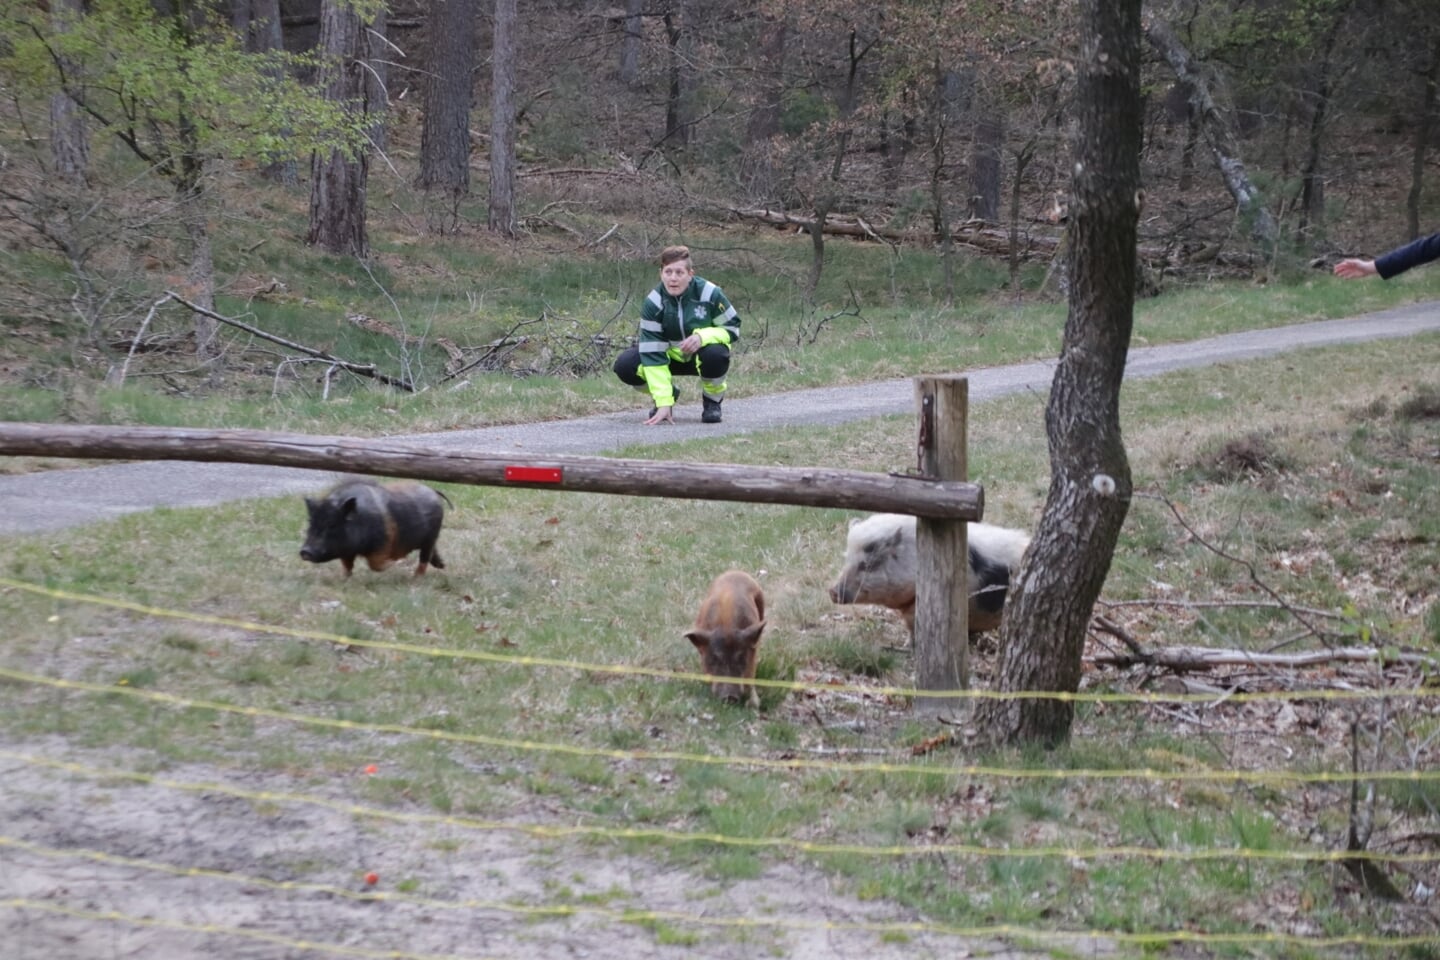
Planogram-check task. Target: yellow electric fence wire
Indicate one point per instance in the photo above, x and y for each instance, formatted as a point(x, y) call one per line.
point(560, 911)
point(553, 911)
point(47, 906)
point(625, 670)
point(1270, 777)
point(721, 839)
point(994, 931)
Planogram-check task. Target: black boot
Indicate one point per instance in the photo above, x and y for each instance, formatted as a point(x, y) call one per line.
point(711, 413)
point(655, 410)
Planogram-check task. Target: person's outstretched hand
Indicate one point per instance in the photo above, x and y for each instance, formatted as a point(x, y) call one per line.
point(1355, 268)
point(662, 415)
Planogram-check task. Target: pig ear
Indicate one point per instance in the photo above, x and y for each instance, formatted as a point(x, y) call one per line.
point(310, 506)
point(854, 520)
point(700, 638)
point(750, 636)
point(894, 539)
point(349, 507)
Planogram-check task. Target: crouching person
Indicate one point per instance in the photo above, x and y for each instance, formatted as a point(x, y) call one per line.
point(686, 327)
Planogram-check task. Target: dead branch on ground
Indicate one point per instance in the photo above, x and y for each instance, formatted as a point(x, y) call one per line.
point(359, 369)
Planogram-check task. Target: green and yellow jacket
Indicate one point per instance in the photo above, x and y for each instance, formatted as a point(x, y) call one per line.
point(665, 321)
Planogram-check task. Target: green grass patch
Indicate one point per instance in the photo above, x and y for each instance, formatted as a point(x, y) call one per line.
point(1339, 522)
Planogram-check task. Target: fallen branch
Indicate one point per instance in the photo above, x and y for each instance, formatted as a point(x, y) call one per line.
point(1189, 659)
point(602, 238)
point(972, 233)
point(360, 369)
point(1219, 604)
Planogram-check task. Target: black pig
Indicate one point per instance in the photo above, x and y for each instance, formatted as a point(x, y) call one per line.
point(380, 522)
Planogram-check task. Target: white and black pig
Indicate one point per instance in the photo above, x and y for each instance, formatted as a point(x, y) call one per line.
point(380, 522)
point(881, 561)
point(727, 634)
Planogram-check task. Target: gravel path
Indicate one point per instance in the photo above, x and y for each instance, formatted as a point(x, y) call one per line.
point(32, 503)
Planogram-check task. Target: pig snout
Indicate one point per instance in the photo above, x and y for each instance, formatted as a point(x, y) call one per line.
point(846, 589)
point(729, 692)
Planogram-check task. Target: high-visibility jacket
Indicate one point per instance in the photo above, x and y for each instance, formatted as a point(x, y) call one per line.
point(701, 308)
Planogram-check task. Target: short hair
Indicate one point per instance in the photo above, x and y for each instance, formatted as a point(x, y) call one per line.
point(674, 255)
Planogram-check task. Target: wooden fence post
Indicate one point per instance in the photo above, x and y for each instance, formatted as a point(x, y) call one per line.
point(942, 645)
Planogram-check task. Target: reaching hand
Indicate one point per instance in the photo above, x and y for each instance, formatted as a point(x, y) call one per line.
point(1355, 268)
point(662, 415)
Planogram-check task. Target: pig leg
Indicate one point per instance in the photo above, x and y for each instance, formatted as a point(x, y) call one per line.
point(349, 564)
point(429, 556)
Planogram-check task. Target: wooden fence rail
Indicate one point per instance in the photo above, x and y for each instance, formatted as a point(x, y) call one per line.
point(942, 499)
point(797, 486)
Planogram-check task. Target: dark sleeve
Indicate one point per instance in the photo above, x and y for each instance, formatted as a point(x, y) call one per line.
point(1411, 255)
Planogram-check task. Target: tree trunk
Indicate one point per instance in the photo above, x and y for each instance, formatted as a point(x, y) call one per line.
point(189, 180)
point(987, 163)
point(1422, 145)
point(445, 127)
point(1312, 190)
point(630, 46)
point(501, 216)
point(69, 140)
point(828, 193)
point(258, 24)
point(756, 165)
point(939, 214)
point(1022, 160)
point(1215, 129)
point(1187, 153)
point(1048, 610)
point(377, 52)
point(677, 121)
point(338, 182)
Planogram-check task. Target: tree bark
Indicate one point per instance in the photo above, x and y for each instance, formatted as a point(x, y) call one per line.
point(258, 24)
point(69, 139)
point(187, 173)
point(377, 53)
point(677, 119)
point(1312, 189)
point(828, 192)
point(445, 127)
point(501, 215)
point(756, 165)
point(1216, 130)
point(339, 182)
point(630, 45)
point(1048, 610)
point(1423, 126)
point(986, 162)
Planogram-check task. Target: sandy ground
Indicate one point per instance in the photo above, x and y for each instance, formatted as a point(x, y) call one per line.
point(113, 868)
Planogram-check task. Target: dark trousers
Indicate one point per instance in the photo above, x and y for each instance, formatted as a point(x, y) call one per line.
point(711, 363)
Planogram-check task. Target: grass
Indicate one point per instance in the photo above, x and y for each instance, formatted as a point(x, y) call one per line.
point(468, 292)
point(1339, 516)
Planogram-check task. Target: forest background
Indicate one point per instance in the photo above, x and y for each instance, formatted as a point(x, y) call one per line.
point(213, 151)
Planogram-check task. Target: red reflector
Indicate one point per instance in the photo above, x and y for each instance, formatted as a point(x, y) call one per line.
point(533, 474)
